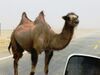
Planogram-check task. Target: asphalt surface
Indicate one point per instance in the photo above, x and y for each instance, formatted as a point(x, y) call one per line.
point(87, 45)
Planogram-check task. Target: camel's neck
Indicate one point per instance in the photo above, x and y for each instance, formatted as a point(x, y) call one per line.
point(61, 40)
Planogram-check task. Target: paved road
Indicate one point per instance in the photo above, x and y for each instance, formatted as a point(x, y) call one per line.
point(87, 45)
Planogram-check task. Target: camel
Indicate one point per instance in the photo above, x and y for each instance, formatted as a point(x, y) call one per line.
point(37, 36)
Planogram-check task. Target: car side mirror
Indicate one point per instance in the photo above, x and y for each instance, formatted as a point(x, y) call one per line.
point(82, 65)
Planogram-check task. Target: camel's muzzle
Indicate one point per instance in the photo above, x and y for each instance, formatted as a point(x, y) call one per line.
point(76, 22)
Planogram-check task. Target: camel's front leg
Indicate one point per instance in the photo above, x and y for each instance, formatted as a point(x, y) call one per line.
point(34, 59)
point(48, 56)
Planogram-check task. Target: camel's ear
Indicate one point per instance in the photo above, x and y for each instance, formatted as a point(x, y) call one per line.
point(64, 17)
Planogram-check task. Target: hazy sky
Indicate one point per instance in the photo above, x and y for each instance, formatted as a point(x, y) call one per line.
point(88, 11)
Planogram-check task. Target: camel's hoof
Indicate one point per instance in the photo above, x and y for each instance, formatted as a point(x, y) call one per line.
point(32, 73)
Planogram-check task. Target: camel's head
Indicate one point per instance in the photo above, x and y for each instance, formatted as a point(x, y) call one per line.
point(71, 19)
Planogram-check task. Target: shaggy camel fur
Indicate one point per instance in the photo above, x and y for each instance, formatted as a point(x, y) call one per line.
point(36, 37)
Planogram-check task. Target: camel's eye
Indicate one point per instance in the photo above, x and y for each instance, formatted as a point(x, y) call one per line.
point(77, 16)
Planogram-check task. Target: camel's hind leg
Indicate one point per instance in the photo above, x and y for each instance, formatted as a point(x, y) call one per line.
point(34, 59)
point(16, 57)
point(48, 56)
point(17, 54)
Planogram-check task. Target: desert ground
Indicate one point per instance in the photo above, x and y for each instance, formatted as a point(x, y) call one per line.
point(5, 37)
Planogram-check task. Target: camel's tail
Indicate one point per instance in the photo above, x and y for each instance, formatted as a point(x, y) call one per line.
point(17, 47)
point(9, 47)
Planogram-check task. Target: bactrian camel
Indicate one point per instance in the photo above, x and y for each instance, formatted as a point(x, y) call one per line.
point(37, 36)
